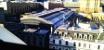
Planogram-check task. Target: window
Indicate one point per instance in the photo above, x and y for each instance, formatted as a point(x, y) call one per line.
point(66, 49)
point(60, 42)
point(80, 36)
point(74, 49)
point(85, 36)
point(74, 44)
point(62, 33)
point(62, 0)
point(79, 44)
point(65, 35)
point(75, 34)
point(98, 46)
point(40, 42)
point(84, 45)
point(93, 36)
point(59, 48)
point(53, 48)
point(66, 43)
point(53, 41)
point(57, 33)
point(68, 33)
point(90, 37)
point(89, 46)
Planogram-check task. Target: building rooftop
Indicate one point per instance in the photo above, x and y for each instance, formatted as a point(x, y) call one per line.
point(31, 19)
point(48, 12)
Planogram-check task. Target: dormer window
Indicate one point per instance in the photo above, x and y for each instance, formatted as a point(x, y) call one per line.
point(80, 36)
point(85, 36)
point(75, 34)
point(90, 37)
